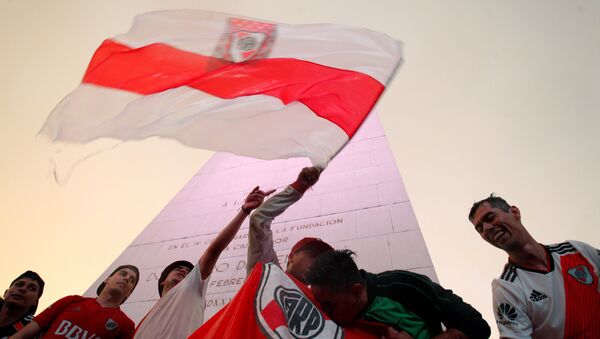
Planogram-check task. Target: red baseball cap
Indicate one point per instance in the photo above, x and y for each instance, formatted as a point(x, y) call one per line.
point(313, 242)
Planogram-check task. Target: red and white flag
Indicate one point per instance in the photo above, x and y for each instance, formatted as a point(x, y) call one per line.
point(271, 304)
point(225, 83)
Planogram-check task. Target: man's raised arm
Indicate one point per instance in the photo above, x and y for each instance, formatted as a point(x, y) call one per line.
point(211, 255)
point(260, 236)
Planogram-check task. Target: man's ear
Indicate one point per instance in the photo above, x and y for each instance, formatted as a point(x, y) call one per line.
point(514, 210)
point(356, 290)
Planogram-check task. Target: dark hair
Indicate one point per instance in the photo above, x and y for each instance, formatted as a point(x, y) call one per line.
point(131, 267)
point(168, 269)
point(493, 201)
point(33, 276)
point(335, 269)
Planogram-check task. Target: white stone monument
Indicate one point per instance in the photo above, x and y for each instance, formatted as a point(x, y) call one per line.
point(359, 203)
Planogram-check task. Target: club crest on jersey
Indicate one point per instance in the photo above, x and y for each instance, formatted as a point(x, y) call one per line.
point(581, 274)
point(246, 40)
point(111, 324)
point(284, 311)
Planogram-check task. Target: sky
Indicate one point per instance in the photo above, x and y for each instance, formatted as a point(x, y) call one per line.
point(493, 96)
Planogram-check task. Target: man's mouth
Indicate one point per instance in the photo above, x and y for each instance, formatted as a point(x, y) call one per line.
point(498, 235)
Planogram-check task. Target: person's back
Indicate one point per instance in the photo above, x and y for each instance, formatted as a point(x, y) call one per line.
point(410, 304)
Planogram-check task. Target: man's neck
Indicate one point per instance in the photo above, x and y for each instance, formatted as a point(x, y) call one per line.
point(109, 300)
point(531, 255)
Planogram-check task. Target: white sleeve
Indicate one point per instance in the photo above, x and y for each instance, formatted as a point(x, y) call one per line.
point(510, 310)
point(260, 236)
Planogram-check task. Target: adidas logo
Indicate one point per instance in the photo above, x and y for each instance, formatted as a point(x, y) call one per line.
point(537, 296)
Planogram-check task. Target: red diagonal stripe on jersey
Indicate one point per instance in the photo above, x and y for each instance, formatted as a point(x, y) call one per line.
point(340, 96)
point(582, 300)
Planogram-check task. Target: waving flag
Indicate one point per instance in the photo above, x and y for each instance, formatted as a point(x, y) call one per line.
point(271, 304)
point(214, 81)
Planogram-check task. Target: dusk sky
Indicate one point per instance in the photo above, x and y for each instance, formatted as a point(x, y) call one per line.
point(493, 96)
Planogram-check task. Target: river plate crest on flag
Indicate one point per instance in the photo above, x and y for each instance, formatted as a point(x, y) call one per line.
point(284, 311)
point(246, 40)
point(211, 81)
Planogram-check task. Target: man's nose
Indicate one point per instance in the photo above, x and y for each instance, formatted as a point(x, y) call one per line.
point(487, 226)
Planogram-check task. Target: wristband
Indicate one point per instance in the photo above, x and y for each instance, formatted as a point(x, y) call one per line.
point(247, 211)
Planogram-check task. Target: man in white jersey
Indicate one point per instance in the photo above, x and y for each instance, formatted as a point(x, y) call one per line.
point(182, 286)
point(545, 291)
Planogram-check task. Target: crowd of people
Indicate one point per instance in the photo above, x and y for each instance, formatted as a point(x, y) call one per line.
point(544, 291)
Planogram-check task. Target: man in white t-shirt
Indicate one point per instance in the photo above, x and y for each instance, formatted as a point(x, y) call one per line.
point(545, 291)
point(182, 285)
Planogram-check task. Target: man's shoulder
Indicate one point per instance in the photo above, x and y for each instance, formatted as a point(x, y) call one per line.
point(561, 248)
point(69, 299)
point(509, 274)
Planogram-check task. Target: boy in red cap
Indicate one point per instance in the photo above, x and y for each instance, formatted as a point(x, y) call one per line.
point(260, 247)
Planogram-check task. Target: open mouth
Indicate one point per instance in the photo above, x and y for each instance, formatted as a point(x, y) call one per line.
point(498, 235)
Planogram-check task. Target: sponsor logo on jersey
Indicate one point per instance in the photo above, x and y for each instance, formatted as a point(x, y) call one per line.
point(71, 331)
point(537, 296)
point(506, 315)
point(283, 311)
point(581, 274)
point(111, 324)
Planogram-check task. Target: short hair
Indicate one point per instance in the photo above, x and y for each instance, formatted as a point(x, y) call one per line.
point(493, 201)
point(32, 276)
point(335, 269)
point(35, 277)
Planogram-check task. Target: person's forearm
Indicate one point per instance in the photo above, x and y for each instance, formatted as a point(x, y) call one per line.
point(211, 255)
point(30, 331)
point(260, 236)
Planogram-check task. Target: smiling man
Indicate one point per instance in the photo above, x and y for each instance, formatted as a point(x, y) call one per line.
point(545, 291)
point(80, 317)
point(20, 303)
